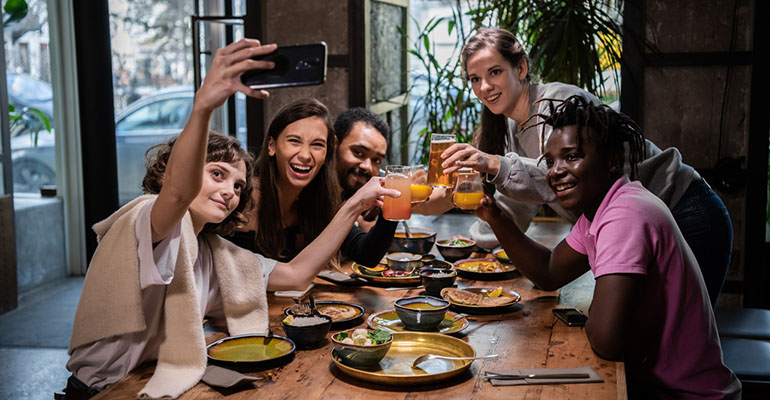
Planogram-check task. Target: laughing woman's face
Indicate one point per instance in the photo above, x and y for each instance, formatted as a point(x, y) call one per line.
point(300, 151)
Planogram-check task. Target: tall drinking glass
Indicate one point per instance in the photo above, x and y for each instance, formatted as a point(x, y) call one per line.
point(438, 144)
point(469, 190)
point(398, 209)
point(420, 188)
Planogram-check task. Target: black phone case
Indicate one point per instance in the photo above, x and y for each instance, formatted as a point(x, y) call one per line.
point(570, 316)
point(301, 65)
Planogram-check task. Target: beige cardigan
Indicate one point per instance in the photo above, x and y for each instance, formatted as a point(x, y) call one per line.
point(111, 301)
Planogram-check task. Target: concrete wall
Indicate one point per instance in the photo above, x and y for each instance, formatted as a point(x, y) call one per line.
point(310, 22)
point(39, 227)
point(683, 105)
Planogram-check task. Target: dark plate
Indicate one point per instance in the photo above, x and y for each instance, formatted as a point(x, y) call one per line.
point(509, 271)
point(343, 323)
point(386, 281)
point(468, 309)
point(251, 351)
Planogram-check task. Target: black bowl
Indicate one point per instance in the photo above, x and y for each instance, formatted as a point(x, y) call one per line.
point(454, 253)
point(433, 282)
point(307, 336)
point(414, 245)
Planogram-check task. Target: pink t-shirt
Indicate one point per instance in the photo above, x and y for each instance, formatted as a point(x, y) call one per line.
point(675, 346)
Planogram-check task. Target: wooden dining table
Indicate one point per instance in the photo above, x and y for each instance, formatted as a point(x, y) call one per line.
point(525, 338)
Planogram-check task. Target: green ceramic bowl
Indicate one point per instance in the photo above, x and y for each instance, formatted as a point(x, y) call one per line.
point(359, 356)
point(421, 313)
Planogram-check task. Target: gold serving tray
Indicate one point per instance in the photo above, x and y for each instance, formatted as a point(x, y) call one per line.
point(396, 367)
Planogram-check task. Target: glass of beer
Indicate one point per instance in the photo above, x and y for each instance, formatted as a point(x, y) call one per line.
point(398, 209)
point(469, 190)
point(420, 188)
point(438, 144)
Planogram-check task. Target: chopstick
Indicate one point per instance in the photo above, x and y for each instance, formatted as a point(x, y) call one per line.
point(406, 288)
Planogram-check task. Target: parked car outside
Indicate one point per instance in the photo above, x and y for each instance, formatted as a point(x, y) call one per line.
point(141, 125)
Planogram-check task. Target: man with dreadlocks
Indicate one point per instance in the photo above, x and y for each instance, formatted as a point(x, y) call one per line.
point(650, 306)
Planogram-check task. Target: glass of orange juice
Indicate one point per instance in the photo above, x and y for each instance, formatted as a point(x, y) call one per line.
point(398, 209)
point(420, 188)
point(439, 142)
point(469, 190)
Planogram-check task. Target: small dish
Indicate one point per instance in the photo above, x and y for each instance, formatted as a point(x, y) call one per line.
point(501, 256)
point(435, 279)
point(404, 261)
point(389, 321)
point(360, 356)
point(484, 269)
point(455, 249)
point(307, 335)
point(485, 309)
point(343, 314)
point(421, 313)
point(398, 278)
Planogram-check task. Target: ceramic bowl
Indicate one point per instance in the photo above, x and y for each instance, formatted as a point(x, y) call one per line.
point(421, 313)
point(421, 243)
point(310, 335)
point(453, 253)
point(404, 261)
point(435, 279)
point(358, 356)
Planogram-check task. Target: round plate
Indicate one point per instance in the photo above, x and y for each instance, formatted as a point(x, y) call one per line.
point(396, 367)
point(338, 324)
point(438, 264)
point(469, 309)
point(388, 320)
point(502, 257)
point(251, 350)
point(409, 280)
point(509, 271)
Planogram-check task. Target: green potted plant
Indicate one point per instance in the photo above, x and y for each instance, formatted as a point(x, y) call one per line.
point(571, 41)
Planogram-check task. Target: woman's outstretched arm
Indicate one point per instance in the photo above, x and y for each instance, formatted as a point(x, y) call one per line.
point(184, 172)
point(300, 271)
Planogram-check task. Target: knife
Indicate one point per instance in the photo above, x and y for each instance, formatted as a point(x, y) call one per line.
point(537, 376)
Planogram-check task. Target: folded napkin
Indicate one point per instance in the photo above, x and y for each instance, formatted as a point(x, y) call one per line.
point(592, 376)
point(225, 378)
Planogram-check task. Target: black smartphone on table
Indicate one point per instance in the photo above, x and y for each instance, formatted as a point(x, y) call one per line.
point(300, 65)
point(570, 316)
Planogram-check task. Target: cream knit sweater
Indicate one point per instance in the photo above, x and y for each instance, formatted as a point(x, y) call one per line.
point(111, 302)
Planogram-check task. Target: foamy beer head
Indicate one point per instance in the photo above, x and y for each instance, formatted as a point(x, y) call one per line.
point(438, 144)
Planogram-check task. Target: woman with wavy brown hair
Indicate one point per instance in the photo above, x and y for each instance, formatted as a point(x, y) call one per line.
point(297, 189)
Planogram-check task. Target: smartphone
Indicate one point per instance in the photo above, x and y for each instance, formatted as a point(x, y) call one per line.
point(570, 316)
point(300, 65)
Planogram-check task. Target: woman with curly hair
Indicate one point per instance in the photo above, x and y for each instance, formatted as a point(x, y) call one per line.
point(161, 265)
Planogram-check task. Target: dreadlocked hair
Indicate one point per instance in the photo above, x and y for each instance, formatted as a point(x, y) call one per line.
point(611, 129)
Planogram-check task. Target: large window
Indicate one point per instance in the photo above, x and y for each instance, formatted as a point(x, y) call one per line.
point(28, 80)
point(153, 79)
